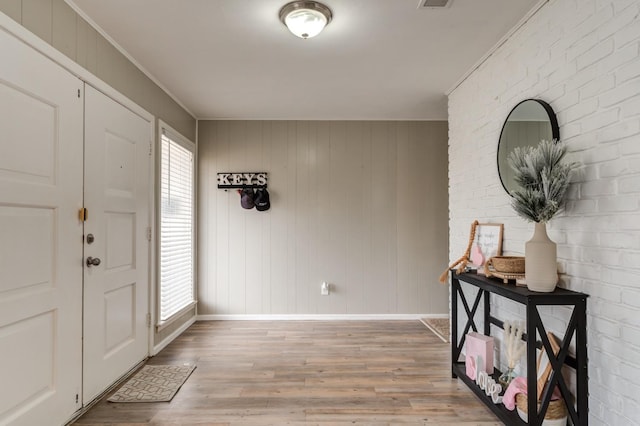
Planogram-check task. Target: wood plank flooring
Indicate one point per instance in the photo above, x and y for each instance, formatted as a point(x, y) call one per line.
point(306, 373)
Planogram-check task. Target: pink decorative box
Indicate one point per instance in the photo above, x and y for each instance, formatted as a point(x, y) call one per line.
point(479, 345)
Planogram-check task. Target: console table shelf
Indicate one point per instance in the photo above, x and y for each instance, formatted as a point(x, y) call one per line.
point(576, 326)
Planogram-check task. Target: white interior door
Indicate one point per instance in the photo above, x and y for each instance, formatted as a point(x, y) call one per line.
point(117, 197)
point(40, 234)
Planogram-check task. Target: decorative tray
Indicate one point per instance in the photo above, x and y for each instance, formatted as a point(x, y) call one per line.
point(505, 276)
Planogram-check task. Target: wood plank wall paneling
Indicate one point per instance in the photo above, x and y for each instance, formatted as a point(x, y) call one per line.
point(362, 205)
point(13, 9)
point(60, 26)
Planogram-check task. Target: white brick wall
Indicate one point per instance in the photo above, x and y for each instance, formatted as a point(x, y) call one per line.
point(583, 57)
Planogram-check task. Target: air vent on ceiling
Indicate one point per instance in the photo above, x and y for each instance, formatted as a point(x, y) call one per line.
point(433, 3)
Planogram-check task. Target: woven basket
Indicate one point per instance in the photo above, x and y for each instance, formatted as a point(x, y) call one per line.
point(556, 410)
point(508, 264)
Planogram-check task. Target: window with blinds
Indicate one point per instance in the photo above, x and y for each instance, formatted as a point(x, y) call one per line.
point(176, 226)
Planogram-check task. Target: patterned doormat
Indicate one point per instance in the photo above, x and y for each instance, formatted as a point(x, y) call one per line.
point(439, 326)
point(153, 383)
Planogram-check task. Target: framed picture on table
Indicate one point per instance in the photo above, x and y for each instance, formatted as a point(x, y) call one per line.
point(486, 243)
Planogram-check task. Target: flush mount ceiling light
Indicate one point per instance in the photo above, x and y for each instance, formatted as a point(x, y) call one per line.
point(305, 19)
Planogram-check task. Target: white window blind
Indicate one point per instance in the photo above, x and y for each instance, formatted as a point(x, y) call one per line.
point(176, 228)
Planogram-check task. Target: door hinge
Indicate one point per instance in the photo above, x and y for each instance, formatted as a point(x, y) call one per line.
point(78, 93)
point(148, 233)
point(148, 320)
point(77, 398)
point(82, 214)
point(150, 148)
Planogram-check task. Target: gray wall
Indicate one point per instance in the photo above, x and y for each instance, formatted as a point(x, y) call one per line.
point(362, 205)
point(57, 24)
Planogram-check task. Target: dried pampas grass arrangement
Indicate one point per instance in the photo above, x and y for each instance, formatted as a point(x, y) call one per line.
point(513, 340)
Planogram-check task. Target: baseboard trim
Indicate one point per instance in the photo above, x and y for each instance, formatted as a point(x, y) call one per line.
point(104, 393)
point(160, 346)
point(317, 317)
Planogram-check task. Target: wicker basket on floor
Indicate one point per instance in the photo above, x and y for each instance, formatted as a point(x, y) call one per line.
point(556, 410)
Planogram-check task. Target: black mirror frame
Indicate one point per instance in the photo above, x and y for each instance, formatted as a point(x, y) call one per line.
point(553, 121)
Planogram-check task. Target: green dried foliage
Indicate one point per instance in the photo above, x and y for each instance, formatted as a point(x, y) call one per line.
point(542, 179)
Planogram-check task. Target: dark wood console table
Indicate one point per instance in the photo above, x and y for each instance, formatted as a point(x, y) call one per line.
point(577, 325)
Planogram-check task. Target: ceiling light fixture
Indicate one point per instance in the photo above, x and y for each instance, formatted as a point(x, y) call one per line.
point(305, 19)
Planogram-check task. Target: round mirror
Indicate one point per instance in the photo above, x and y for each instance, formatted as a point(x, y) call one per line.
point(528, 123)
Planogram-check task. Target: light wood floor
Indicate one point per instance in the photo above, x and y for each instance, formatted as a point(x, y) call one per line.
point(307, 373)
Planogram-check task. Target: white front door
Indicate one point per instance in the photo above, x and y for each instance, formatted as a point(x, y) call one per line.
point(40, 235)
point(117, 197)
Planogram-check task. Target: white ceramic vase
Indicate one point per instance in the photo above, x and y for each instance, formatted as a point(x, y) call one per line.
point(541, 269)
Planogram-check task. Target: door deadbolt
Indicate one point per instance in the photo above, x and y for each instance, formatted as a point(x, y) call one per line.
point(90, 238)
point(93, 261)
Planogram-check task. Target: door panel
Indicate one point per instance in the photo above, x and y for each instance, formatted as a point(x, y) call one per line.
point(121, 250)
point(40, 233)
point(117, 196)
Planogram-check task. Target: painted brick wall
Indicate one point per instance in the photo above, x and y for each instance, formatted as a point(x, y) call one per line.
point(581, 56)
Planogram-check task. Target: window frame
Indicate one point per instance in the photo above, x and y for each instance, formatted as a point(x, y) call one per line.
point(164, 130)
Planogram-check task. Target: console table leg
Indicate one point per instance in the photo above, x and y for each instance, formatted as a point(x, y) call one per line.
point(455, 286)
point(582, 385)
point(487, 314)
point(532, 383)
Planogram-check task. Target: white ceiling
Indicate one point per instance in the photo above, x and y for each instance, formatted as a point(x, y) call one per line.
point(377, 59)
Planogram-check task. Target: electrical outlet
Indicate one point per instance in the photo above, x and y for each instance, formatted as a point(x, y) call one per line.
point(324, 289)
